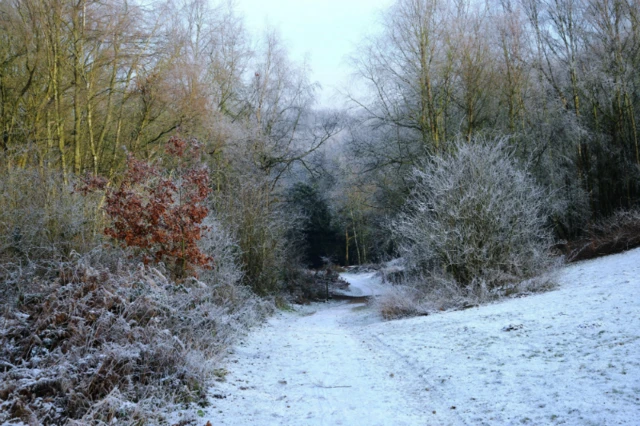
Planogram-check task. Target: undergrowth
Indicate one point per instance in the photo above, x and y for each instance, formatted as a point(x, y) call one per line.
point(418, 295)
point(612, 235)
point(100, 339)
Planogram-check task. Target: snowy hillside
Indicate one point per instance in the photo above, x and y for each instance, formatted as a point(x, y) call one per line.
point(570, 356)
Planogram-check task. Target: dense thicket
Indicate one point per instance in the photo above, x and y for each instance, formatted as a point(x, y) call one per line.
point(475, 217)
point(558, 77)
point(84, 85)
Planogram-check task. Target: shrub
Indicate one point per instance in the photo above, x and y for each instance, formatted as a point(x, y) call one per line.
point(400, 302)
point(266, 234)
point(474, 215)
point(42, 217)
point(218, 243)
point(161, 213)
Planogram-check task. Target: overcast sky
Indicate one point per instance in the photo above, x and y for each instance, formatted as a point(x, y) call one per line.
point(325, 30)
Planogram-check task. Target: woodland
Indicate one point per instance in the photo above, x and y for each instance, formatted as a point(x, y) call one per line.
point(168, 180)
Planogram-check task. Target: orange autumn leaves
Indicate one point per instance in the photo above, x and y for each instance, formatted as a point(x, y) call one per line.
point(160, 212)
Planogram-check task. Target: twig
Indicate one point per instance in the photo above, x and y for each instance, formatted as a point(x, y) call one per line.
point(332, 387)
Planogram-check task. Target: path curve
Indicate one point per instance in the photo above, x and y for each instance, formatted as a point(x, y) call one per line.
point(315, 367)
point(365, 284)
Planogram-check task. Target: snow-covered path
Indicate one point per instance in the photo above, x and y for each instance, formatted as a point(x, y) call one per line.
point(313, 367)
point(363, 284)
point(308, 369)
point(570, 356)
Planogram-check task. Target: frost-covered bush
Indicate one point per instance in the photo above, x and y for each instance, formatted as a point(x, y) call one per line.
point(42, 217)
point(424, 293)
point(101, 340)
point(219, 244)
point(401, 301)
point(475, 216)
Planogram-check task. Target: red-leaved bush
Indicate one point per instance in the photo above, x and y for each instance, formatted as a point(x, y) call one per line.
point(161, 212)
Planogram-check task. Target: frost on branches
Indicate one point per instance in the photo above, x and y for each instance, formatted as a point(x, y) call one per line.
point(477, 217)
point(161, 212)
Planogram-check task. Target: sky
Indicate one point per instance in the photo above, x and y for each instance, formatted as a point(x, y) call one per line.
point(325, 31)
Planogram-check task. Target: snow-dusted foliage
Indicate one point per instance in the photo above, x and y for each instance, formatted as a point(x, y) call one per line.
point(612, 235)
point(266, 233)
point(475, 216)
point(43, 217)
point(102, 340)
point(218, 243)
point(401, 301)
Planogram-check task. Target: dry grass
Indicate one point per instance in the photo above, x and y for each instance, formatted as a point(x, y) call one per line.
point(426, 294)
point(616, 234)
point(99, 340)
point(400, 302)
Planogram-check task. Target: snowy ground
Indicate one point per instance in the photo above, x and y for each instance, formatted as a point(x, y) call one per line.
point(570, 356)
point(363, 284)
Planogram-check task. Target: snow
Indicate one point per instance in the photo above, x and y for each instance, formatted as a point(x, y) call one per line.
point(363, 284)
point(308, 369)
point(570, 356)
